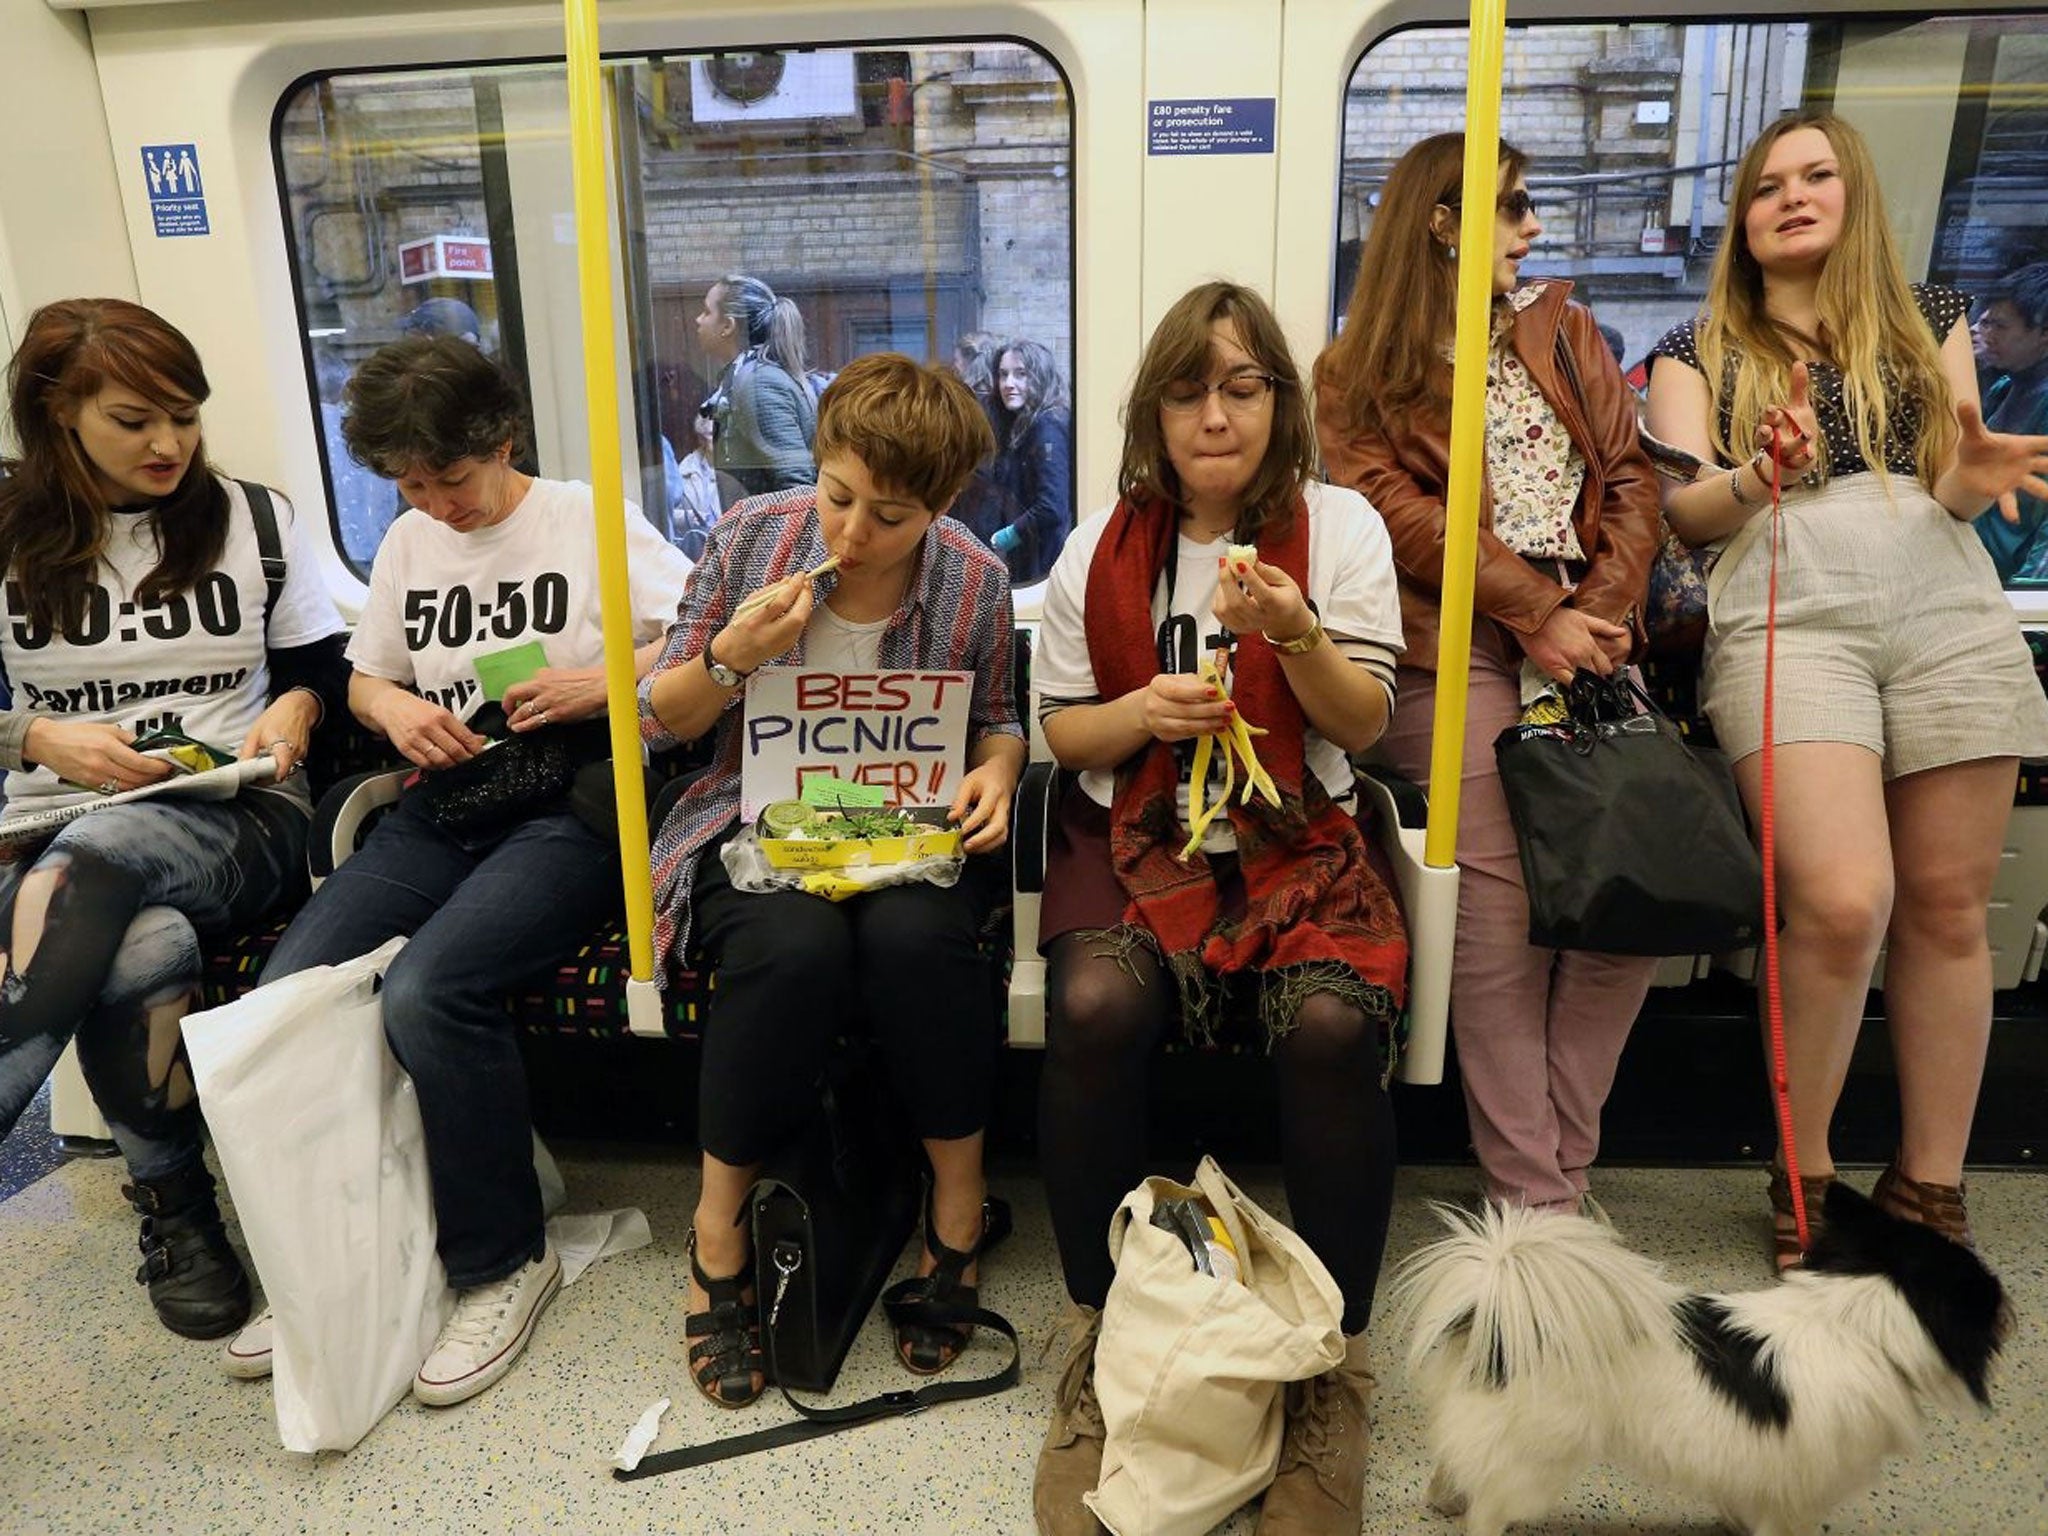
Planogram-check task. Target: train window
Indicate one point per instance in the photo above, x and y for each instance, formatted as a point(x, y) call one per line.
point(906, 198)
point(1634, 131)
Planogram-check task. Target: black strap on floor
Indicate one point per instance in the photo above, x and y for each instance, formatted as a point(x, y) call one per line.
point(816, 1423)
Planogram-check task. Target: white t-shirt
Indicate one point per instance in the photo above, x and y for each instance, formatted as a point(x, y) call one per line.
point(439, 599)
point(833, 644)
point(193, 663)
point(1351, 586)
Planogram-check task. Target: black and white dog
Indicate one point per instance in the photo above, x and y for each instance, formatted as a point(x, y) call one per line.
point(1541, 1344)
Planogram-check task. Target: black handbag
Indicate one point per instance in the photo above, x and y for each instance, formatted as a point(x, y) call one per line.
point(830, 1215)
point(1632, 841)
point(520, 774)
point(844, 1199)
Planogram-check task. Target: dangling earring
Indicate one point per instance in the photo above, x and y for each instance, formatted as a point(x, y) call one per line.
point(1451, 251)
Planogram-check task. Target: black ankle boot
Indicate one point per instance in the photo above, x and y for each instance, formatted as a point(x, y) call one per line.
point(195, 1281)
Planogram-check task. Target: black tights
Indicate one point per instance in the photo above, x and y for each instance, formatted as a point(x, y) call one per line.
point(1108, 1017)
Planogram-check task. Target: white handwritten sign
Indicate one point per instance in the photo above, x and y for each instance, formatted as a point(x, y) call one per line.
point(903, 731)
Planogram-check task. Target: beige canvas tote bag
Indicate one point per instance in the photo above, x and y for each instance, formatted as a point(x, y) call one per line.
point(1189, 1367)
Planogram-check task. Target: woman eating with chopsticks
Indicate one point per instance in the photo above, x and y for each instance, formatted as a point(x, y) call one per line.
point(862, 572)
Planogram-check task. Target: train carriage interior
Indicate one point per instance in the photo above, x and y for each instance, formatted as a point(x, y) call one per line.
point(297, 183)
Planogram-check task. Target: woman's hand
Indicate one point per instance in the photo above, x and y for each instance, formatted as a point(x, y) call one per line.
point(555, 696)
point(100, 757)
point(1570, 640)
point(1178, 707)
point(424, 732)
point(769, 628)
point(284, 730)
point(1791, 432)
point(982, 807)
point(1994, 467)
point(1253, 597)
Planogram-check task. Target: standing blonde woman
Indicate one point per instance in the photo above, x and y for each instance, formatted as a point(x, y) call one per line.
point(1568, 521)
point(1904, 693)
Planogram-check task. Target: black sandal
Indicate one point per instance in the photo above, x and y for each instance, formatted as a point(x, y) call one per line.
point(931, 1338)
point(727, 1363)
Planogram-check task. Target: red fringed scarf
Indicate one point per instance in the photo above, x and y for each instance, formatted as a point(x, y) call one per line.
point(1312, 898)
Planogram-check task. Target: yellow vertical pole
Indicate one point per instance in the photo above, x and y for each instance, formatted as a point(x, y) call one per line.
point(594, 281)
point(1468, 424)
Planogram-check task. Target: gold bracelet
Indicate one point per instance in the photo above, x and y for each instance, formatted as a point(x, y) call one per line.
point(1302, 643)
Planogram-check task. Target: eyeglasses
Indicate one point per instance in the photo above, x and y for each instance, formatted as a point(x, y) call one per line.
point(1516, 205)
point(1241, 393)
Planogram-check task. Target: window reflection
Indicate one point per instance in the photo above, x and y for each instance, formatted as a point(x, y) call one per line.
point(827, 203)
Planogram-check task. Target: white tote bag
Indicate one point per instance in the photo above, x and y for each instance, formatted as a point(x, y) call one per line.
point(319, 1135)
point(1190, 1367)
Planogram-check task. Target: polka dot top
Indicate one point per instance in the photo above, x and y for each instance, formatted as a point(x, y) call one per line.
point(1942, 307)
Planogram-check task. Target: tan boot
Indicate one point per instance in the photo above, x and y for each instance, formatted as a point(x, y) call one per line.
point(1070, 1464)
point(1320, 1487)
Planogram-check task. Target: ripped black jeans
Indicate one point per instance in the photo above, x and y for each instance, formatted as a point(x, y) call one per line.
point(100, 939)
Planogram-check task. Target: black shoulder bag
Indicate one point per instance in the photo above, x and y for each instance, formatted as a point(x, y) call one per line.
point(1632, 841)
point(830, 1215)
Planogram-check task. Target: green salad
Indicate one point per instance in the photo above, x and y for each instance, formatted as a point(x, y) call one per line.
point(794, 819)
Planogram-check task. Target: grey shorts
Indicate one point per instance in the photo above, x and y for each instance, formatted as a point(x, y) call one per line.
point(1893, 634)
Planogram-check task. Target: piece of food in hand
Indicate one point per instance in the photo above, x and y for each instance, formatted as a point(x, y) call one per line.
point(1245, 554)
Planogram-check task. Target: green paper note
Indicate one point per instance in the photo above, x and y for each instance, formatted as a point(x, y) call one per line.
point(828, 793)
point(499, 670)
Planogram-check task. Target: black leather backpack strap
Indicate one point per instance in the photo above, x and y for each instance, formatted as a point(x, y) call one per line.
point(814, 1422)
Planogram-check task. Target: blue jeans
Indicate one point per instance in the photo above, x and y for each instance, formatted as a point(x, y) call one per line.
point(480, 919)
point(109, 915)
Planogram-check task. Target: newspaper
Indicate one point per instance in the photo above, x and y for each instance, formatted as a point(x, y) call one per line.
point(222, 783)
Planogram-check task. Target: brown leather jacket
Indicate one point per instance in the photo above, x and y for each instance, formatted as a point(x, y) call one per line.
point(1403, 473)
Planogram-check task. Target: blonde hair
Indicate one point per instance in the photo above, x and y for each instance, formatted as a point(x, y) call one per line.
point(1871, 327)
point(919, 430)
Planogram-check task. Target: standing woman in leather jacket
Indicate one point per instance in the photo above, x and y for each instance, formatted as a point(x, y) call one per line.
point(763, 410)
point(1567, 527)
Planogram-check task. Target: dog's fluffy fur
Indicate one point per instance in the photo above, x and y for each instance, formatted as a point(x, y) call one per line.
point(1541, 1344)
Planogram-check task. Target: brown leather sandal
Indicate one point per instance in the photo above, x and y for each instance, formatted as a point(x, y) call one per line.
point(1939, 1206)
point(1785, 1251)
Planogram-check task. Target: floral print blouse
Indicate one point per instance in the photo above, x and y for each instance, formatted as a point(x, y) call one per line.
point(1532, 466)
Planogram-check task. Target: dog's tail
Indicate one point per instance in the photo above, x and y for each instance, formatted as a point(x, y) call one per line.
point(1513, 1294)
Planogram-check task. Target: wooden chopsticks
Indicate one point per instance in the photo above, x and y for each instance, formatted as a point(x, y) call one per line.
point(770, 590)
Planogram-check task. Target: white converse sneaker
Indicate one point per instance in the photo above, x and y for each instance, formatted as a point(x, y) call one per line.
point(247, 1357)
point(490, 1330)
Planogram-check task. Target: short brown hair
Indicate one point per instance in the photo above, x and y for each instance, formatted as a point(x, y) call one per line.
point(919, 430)
point(430, 401)
point(1179, 349)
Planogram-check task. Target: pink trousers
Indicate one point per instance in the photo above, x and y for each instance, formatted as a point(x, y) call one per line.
point(1539, 1031)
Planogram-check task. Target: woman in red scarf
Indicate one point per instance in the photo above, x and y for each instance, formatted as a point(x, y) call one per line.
point(1278, 909)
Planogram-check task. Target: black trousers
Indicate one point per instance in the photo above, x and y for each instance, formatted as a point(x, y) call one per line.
point(793, 971)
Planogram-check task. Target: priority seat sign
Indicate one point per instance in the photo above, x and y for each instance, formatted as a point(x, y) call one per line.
point(177, 196)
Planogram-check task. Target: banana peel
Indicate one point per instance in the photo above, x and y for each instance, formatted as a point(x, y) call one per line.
point(1235, 743)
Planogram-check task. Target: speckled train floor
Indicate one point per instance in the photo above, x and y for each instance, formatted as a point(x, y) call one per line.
point(108, 1423)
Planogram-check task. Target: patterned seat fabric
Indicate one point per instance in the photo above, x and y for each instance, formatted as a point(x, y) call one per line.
point(586, 998)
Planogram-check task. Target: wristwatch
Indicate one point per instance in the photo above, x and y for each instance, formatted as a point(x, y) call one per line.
point(721, 674)
point(1302, 643)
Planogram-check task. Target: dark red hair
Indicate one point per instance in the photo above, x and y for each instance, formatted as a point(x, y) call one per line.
point(53, 515)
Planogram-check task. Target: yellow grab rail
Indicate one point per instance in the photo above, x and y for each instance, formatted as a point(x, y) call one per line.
point(594, 282)
point(1468, 425)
